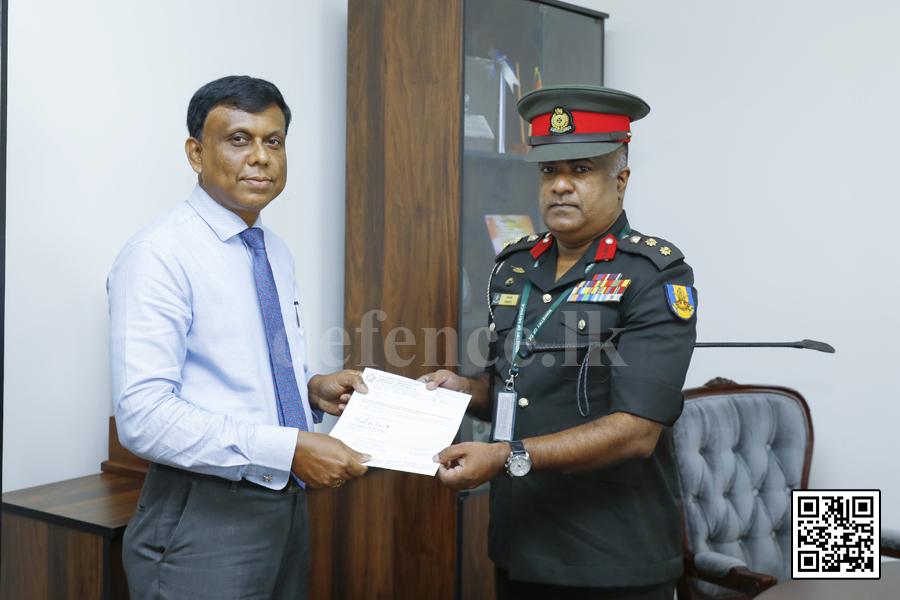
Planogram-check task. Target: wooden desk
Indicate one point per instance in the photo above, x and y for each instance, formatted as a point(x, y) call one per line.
point(63, 541)
point(886, 588)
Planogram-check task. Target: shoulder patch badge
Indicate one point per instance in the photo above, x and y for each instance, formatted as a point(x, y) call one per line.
point(561, 121)
point(681, 300)
point(603, 287)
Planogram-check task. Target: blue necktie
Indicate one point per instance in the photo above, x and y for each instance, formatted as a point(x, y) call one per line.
point(287, 394)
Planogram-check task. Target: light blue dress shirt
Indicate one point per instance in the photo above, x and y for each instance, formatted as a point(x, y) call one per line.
point(192, 383)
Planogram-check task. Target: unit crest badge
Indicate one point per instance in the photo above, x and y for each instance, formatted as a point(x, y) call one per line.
point(681, 300)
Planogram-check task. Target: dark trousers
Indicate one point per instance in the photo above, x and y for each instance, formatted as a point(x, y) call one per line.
point(508, 589)
point(197, 537)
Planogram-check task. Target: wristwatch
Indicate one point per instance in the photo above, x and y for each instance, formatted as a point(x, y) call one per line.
point(519, 462)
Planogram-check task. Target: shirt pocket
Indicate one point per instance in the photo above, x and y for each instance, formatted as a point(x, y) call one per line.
point(296, 335)
point(584, 325)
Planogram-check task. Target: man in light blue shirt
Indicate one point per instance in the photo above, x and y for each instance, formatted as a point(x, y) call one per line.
point(210, 380)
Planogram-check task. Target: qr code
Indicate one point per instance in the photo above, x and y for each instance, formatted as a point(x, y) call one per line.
point(836, 534)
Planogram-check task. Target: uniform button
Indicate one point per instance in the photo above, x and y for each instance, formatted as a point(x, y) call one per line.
point(523, 402)
point(609, 241)
point(635, 239)
point(492, 326)
point(509, 281)
point(267, 478)
point(547, 298)
point(581, 325)
point(768, 446)
point(755, 492)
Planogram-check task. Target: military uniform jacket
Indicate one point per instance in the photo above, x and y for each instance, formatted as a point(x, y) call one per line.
point(619, 526)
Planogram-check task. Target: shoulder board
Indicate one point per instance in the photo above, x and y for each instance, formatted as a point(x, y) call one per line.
point(661, 253)
point(523, 243)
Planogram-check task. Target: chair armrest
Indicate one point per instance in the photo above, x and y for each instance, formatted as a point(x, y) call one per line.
point(716, 564)
point(730, 572)
point(890, 543)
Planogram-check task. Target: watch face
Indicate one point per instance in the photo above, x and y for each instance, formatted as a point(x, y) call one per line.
point(519, 465)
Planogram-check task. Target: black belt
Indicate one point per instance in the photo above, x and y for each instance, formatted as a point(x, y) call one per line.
point(292, 487)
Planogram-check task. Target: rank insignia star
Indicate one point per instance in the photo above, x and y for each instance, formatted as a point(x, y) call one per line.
point(533, 237)
point(634, 239)
point(518, 239)
point(665, 251)
point(506, 245)
point(650, 242)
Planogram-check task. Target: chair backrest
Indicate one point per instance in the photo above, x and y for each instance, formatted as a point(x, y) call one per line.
point(741, 449)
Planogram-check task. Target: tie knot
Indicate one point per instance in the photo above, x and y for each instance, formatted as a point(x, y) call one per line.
point(254, 238)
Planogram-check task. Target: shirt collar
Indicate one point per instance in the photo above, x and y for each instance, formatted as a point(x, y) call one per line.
point(222, 221)
point(544, 276)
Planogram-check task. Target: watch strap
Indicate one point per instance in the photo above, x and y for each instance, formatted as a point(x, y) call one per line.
point(516, 447)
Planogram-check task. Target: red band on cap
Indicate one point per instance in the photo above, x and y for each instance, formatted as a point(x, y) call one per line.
point(584, 122)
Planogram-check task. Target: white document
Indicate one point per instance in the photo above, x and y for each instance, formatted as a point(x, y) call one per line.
point(400, 423)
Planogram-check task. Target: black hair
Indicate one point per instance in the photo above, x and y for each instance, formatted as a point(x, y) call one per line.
point(235, 91)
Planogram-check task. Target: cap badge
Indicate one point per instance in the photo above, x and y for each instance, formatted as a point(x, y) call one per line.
point(561, 121)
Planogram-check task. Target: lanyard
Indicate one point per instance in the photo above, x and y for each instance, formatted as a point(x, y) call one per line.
point(520, 324)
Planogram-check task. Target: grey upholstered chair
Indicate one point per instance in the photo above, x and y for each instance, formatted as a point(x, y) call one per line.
point(741, 450)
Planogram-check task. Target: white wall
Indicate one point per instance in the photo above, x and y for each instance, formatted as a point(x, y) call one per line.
point(97, 98)
point(768, 158)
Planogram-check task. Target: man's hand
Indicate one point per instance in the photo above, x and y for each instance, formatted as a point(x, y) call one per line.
point(466, 466)
point(332, 392)
point(321, 460)
point(446, 379)
point(480, 406)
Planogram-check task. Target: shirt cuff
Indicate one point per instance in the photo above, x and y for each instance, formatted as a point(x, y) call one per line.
point(273, 453)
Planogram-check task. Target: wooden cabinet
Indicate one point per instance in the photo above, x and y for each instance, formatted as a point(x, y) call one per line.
point(418, 253)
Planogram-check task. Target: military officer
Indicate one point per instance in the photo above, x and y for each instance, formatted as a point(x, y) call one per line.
point(584, 493)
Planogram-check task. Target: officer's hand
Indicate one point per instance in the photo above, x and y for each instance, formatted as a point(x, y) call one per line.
point(321, 460)
point(332, 392)
point(466, 466)
point(446, 379)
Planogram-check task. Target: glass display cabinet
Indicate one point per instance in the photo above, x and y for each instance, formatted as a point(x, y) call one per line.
point(511, 48)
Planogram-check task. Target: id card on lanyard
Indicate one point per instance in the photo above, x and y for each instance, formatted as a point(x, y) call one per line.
point(506, 398)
